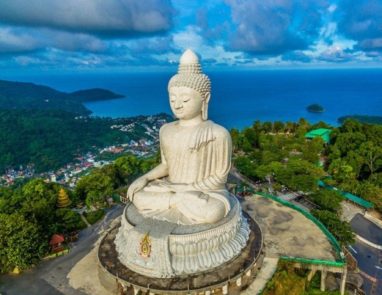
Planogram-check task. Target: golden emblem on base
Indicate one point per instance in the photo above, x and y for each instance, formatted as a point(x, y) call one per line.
point(145, 246)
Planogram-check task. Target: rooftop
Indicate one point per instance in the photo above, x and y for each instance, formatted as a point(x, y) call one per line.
point(324, 133)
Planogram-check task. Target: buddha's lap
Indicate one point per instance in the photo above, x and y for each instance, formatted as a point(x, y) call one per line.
point(188, 202)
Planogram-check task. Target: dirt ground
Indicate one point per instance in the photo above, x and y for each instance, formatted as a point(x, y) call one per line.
point(286, 231)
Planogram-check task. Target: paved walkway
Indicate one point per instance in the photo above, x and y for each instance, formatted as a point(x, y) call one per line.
point(85, 220)
point(349, 210)
point(266, 272)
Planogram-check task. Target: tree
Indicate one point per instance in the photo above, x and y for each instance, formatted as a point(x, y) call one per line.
point(370, 192)
point(38, 202)
point(149, 163)
point(269, 170)
point(128, 167)
point(356, 161)
point(267, 127)
point(351, 126)
point(327, 200)
point(257, 126)
point(95, 188)
point(303, 123)
point(346, 142)
point(68, 220)
point(8, 202)
point(341, 170)
point(21, 242)
point(278, 126)
point(340, 229)
point(235, 134)
point(312, 149)
point(320, 124)
point(251, 135)
point(300, 175)
point(290, 127)
point(371, 154)
point(245, 166)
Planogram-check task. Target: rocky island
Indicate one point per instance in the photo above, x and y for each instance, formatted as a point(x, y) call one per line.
point(315, 108)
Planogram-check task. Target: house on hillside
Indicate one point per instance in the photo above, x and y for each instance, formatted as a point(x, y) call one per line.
point(324, 133)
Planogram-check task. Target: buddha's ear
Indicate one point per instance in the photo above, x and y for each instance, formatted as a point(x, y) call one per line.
point(207, 97)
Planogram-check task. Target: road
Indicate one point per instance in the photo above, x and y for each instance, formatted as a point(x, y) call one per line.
point(369, 259)
point(370, 263)
point(366, 229)
point(49, 277)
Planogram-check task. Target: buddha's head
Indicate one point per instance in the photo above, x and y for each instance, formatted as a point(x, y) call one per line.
point(190, 89)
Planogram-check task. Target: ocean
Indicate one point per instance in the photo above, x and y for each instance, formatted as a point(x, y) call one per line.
point(238, 97)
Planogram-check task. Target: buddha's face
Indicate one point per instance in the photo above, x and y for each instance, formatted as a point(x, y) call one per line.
point(186, 103)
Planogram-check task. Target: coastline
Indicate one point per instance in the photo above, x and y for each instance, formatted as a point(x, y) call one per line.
point(238, 97)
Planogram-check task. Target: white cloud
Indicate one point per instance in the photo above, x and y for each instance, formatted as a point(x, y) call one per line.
point(19, 40)
point(111, 17)
point(11, 41)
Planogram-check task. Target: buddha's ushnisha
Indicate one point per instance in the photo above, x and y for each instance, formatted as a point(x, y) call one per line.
point(188, 187)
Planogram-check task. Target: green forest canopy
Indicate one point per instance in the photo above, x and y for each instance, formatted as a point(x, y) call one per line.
point(50, 139)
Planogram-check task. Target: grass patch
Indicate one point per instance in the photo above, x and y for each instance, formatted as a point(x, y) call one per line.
point(290, 281)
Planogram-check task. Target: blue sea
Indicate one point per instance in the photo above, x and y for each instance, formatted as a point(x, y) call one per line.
point(238, 97)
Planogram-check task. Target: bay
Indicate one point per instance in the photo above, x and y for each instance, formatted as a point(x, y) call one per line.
point(239, 97)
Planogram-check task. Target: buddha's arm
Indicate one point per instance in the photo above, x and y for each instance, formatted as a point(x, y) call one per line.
point(158, 172)
point(220, 161)
point(222, 157)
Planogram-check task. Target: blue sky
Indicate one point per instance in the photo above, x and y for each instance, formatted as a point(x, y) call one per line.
point(128, 35)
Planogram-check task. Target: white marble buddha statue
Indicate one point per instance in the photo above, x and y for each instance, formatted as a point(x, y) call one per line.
point(188, 186)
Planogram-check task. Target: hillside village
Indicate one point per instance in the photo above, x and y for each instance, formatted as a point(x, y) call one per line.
point(68, 175)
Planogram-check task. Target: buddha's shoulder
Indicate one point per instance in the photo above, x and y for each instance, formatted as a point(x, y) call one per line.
point(219, 131)
point(167, 127)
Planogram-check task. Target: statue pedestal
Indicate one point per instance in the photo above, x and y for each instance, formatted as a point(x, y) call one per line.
point(161, 249)
point(199, 270)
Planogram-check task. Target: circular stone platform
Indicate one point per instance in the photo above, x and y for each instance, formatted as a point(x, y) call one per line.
point(159, 248)
point(237, 272)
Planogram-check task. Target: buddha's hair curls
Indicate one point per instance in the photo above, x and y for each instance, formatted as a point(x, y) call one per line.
point(190, 75)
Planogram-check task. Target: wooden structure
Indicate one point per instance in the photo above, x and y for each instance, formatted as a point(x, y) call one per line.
point(56, 243)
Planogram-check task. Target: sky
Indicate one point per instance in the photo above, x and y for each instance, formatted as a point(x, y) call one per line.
point(142, 35)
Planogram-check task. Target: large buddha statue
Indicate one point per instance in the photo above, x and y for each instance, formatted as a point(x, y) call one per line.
point(181, 219)
point(188, 186)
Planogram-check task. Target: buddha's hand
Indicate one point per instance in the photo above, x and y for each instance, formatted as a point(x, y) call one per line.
point(136, 186)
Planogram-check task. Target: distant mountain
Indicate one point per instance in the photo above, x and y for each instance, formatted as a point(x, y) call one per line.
point(29, 96)
point(362, 119)
point(94, 94)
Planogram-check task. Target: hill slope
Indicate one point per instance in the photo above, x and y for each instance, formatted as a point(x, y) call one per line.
point(29, 96)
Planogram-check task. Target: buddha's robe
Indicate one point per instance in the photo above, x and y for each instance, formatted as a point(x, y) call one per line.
point(196, 155)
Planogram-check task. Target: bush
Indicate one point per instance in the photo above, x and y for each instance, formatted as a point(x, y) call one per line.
point(93, 216)
point(327, 200)
point(68, 220)
point(340, 229)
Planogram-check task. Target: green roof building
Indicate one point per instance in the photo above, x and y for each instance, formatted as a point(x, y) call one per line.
point(324, 133)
